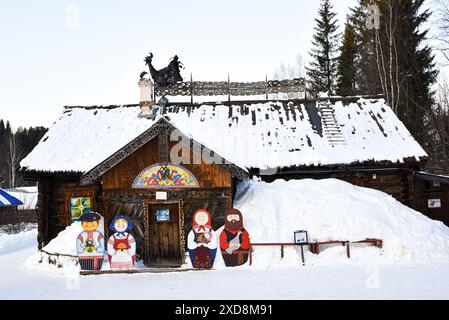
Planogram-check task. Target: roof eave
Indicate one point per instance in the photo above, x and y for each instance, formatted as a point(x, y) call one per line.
point(160, 126)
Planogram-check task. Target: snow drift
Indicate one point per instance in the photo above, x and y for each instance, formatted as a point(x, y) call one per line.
point(332, 209)
point(328, 209)
point(10, 243)
point(59, 253)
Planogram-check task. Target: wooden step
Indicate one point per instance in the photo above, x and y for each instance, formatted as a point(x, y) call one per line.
point(143, 270)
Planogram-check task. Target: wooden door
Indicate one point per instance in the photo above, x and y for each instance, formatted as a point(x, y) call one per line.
point(165, 248)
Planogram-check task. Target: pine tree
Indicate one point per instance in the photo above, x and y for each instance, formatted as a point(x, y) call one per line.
point(2, 128)
point(419, 70)
point(322, 70)
point(367, 80)
point(406, 67)
point(348, 63)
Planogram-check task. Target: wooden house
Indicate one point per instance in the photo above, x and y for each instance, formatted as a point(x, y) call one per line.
point(187, 156)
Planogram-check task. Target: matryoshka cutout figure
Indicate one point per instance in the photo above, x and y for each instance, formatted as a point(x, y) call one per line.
point(90, 242)
point(202, 241)
point(121, 245)
point(234, 239)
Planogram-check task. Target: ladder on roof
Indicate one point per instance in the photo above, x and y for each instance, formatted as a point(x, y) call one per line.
point(331, 128)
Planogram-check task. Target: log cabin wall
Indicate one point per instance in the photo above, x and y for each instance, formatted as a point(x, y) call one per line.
point(53, 207)
point(124, 173)
point(215, 193)
point(425, 191)
point(396, 183)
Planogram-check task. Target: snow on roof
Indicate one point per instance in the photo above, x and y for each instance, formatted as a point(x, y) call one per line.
point(7, 199)
point(253, 135)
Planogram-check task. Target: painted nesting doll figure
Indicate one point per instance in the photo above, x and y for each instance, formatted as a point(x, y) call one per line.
point(202, 241)
point(234, 239)
point(121, 245)
point(90, 242)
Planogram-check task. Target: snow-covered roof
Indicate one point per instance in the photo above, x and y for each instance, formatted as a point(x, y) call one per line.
point(250, 135)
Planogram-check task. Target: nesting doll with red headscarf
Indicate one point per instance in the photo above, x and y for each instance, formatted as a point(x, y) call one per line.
point(202, 241)
point(234, 239)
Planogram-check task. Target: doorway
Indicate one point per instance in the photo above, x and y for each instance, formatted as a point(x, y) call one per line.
point(164, 230)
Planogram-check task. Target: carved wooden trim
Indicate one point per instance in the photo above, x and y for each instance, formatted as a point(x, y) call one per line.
point(215, 88)
point(138, 195)
point(182, 237)
point(161, 127)
point(146, 232)
point(163, 147)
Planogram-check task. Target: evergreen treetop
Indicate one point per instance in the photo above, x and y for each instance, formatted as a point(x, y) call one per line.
point(322, 68)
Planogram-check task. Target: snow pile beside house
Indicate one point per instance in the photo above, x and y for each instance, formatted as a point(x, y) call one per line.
point(331, 209)
point(59, 252)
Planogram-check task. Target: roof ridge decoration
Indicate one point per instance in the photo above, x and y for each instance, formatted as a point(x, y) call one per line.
point(161, 126)
point(168, 81)
point(222, 88)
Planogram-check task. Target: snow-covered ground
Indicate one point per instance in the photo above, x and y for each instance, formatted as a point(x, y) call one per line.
point(412, 264)
point(349, 281)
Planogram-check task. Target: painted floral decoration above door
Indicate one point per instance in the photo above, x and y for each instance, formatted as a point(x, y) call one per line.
point(165, 176)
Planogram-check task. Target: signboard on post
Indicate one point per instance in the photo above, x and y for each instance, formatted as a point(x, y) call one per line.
point(434, 203)
point(301, 236)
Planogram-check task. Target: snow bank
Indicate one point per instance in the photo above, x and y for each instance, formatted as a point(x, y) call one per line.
point(331, 209)
point(10, 243)
point(328, 209)
point(58, 253)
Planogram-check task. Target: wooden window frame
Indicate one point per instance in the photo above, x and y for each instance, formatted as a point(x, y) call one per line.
point(91, 193)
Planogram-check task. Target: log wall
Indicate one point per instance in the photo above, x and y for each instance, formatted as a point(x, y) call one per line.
point(53, 207)
point(427, 190)
point(123, 174)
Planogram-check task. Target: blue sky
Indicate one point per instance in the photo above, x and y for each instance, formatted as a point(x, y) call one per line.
point(56, 53)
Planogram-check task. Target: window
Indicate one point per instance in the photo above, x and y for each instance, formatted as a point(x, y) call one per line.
point(79, 205)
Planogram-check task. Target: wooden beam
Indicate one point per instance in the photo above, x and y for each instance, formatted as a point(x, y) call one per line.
point(132, 271)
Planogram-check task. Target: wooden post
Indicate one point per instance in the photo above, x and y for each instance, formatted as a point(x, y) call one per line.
point(191, 88)
point(282, 251)
point(229, 89)
point(266, 93)
point(250, 255)
point(302, 254)
point(348, 251)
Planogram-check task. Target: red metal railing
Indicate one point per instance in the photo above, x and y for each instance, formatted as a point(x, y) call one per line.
point(315, 246)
